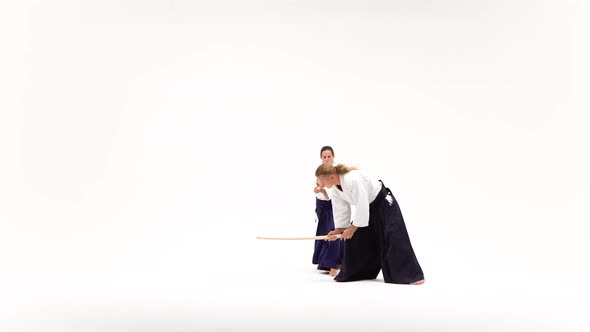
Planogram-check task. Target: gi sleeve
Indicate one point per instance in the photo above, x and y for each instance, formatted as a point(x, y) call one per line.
point(361, 196)
point(341, 211)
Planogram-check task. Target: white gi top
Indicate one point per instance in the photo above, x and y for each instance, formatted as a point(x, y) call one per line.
point(357, 189)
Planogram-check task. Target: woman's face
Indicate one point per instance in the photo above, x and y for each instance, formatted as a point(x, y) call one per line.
point(327, 157)
point(327, 181)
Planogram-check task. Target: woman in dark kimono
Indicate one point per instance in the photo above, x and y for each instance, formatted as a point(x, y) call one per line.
point(327, 254)
point(376, 238)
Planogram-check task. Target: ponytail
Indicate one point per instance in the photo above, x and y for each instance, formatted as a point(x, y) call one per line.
point(340, 169)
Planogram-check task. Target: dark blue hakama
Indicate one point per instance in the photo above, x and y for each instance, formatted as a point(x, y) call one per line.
point(382, 245)
point(327, 254)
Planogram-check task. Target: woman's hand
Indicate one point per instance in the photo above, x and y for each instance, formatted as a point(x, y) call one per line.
point(319, 189)
point(332, 234)
point(349, 232)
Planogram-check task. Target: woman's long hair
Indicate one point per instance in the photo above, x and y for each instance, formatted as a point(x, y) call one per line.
point(340, 169)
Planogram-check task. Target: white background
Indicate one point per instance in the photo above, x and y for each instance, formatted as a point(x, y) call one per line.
point(144, 144)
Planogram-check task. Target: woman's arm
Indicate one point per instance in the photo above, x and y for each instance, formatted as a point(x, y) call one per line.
point(319, 189)
point(332, 234)
point(347, 233)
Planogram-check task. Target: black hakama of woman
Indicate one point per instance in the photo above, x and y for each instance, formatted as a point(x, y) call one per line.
point(382, 245)
point(327, 254)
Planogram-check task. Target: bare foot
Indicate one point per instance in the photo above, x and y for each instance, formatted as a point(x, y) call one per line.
point(333, 272)
point(419, 282)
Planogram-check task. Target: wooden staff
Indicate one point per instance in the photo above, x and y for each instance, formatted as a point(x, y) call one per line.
point(320, 237)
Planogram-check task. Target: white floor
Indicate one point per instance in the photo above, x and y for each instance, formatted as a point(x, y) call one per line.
point(270, 285)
